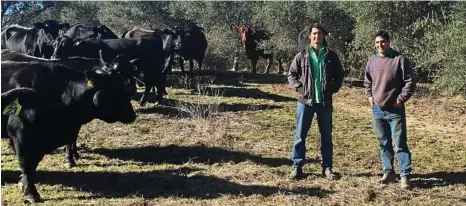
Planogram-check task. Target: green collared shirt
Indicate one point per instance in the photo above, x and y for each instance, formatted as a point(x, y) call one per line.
point(391, 53)
point(317, 64)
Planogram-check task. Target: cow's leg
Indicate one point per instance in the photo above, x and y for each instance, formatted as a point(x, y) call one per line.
point(279, 66)
point(69, 160)
point(200, 66)
point(268, 64)
point(146, 93)
point(180, 60)
point(71, 150)
point(253, 65)
point(160, 86)
point(191, 66)
point(71, 154)
point(11, 145)
point(28, 163)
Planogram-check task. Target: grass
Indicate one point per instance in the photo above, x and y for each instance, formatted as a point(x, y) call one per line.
point(241, 155)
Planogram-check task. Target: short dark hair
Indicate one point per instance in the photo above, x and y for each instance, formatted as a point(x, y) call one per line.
point(383, 34)
point(320, 27)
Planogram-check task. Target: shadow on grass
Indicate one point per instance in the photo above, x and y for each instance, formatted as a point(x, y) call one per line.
point(252, 93)
point(154, 184)
point(169, 108)
point(174, 154)
point(438, 179)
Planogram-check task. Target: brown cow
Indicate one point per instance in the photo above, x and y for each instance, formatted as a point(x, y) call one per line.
point(250, 38)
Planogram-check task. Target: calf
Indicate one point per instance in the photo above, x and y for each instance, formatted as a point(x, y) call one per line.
point(36, 41)
point(147, 53)
point(66, 100)
point(250, 39)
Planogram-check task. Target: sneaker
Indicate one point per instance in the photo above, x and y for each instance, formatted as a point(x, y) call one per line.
point(330, 175)
point(404, 182)
point(296, 173)
point(387, 178)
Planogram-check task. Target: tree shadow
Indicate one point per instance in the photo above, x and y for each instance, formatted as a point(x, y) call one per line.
point(154, 184)
point(438, 179)
point(174, 154)
point(170, 108)
point(251, 93)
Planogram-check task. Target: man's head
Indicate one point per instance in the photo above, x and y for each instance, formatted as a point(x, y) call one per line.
point(382, 42)
point(317, 34)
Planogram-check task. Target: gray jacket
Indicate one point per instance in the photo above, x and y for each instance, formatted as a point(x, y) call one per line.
point(301, 79)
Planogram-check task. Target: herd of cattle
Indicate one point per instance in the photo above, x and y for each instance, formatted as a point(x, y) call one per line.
point(53, 84)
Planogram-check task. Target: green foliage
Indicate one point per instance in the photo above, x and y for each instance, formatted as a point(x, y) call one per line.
point(428, 32)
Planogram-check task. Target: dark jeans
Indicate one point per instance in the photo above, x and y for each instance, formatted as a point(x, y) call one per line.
point(304, 115)
point(390, 124)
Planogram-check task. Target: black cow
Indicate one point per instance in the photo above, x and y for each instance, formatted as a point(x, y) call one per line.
point(36, 41)
point(147, 53)
point(190, 44)
point(168, 39)
point(79, 31)
point(66, 100)
point(120, 64)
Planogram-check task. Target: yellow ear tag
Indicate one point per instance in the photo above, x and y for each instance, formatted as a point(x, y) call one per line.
point(13, 108)
point(90, 83)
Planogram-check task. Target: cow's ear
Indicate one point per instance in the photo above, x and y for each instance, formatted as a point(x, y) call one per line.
point(39, 25)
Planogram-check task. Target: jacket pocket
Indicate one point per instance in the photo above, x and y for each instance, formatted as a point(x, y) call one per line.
point(301, 90)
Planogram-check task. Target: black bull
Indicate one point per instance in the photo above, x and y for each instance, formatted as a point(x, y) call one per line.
point(120, 64)
point(65, 100)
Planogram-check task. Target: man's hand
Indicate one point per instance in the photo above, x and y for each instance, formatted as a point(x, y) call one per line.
point(398, 104)
point(371, 102)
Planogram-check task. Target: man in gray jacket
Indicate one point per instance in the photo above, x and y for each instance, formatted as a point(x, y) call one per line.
point(316, 74)
point(389, 83)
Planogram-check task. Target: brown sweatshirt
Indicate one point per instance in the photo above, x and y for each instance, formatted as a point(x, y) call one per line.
point(388, 79)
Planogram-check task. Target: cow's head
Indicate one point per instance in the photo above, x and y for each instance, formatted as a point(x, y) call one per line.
point(51, 27)
point(110, 101)
point(247, 34)
point(124, 67)
point(104, 32)
point(63, 47)
point(186, 35)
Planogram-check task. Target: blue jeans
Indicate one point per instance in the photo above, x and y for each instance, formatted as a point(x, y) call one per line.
point(304, 115)
point(390, 124)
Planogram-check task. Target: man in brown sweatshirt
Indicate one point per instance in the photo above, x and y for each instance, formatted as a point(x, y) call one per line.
point(389, 82)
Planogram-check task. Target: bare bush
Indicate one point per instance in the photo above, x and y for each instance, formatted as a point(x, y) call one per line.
point(196, 108)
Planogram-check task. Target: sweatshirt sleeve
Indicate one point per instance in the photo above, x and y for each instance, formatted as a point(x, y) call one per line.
point(409, 80)
point(368, 81)
point(294, 72)
point(338, 74)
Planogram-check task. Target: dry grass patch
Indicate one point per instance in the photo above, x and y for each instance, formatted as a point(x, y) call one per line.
point(241, 155)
